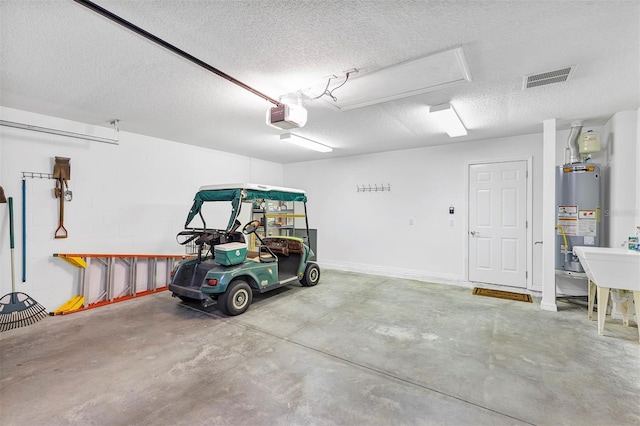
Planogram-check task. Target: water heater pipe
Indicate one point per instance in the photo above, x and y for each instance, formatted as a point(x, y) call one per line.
point(566, 244)
point(572, 142)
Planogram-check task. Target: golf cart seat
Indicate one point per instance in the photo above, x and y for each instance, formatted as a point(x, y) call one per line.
point(284, 246)
point(236, 237)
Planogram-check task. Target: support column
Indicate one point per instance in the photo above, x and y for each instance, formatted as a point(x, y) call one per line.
point(637, 212)
point(548, 216)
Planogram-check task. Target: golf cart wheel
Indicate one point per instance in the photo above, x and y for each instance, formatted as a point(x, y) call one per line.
point(236, 299)
point(311, 275)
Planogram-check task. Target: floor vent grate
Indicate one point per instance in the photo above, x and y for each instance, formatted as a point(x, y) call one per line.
point(548, 77)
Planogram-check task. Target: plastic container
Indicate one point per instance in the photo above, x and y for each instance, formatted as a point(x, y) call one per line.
point(589, 142)
point(230, 253)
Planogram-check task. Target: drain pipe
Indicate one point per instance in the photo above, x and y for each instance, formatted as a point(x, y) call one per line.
point(572, 142)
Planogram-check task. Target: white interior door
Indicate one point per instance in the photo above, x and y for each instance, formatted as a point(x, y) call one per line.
point(498, 223)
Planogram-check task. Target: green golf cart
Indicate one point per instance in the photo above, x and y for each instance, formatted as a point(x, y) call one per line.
point(271, 250)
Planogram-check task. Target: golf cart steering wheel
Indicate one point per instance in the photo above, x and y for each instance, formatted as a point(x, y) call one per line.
point(250, 227)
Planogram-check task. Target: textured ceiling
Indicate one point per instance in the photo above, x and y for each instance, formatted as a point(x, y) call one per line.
point(61, 59)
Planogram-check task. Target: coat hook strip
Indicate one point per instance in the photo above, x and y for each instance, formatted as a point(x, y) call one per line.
point(373, 188)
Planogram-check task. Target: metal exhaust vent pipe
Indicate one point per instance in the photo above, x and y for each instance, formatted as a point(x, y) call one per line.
point(572, 142)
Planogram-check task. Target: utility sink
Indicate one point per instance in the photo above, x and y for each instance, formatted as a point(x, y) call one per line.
point(611, 267)
point(608, 268)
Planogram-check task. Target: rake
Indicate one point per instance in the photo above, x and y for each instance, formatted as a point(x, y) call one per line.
point(17, 309)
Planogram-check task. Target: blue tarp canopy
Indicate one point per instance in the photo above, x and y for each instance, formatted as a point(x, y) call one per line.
point(236, 196)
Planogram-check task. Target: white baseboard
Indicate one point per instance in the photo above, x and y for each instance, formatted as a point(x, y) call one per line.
point(386, 271)
point(418, 275)
point(413, 274)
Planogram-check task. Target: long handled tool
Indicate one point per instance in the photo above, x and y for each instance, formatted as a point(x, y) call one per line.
point(17, 309)
point(61, 232)
point(62, 174)
point(24, 229)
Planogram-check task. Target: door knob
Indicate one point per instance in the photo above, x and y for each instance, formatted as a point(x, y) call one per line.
point(473, 232)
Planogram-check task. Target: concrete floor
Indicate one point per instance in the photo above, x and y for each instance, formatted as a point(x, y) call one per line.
point(354, 350)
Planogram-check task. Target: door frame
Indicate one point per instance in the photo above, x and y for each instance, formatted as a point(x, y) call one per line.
point(529, 213)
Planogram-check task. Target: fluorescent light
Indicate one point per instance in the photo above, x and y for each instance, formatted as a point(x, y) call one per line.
point(304, 142)
point(421, 75)
point(449, 120)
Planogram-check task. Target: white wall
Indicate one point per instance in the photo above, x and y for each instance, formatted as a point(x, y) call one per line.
point(129, 198)
point(134, 197)
point(621, 213)
point(549, 154)
point(371, 232)
point(638, 168)
point(621, 187)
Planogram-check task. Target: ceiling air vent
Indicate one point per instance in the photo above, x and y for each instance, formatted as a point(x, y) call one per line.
point(548, 77)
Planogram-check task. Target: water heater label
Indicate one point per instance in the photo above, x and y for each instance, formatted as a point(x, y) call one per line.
point(565, 212)
point(587, 214)
point(568, 220)
point(587, 223)
point(569, 226)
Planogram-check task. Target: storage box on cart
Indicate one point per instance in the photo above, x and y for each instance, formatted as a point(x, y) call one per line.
point(230, 253)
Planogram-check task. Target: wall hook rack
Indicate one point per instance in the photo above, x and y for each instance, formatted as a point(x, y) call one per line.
point(373, 188)
point(37, 175)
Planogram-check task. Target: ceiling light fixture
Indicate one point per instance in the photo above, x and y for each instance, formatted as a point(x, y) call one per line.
point(369, 87)
point(449, 119)
point(304, 142)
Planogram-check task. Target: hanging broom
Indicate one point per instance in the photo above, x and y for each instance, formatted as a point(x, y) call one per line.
point(17, 309)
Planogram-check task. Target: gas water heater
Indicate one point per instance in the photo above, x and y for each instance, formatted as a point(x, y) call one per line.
point(577, 200)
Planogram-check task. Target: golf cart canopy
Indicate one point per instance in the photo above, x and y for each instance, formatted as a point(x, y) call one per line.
point(238, 192)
